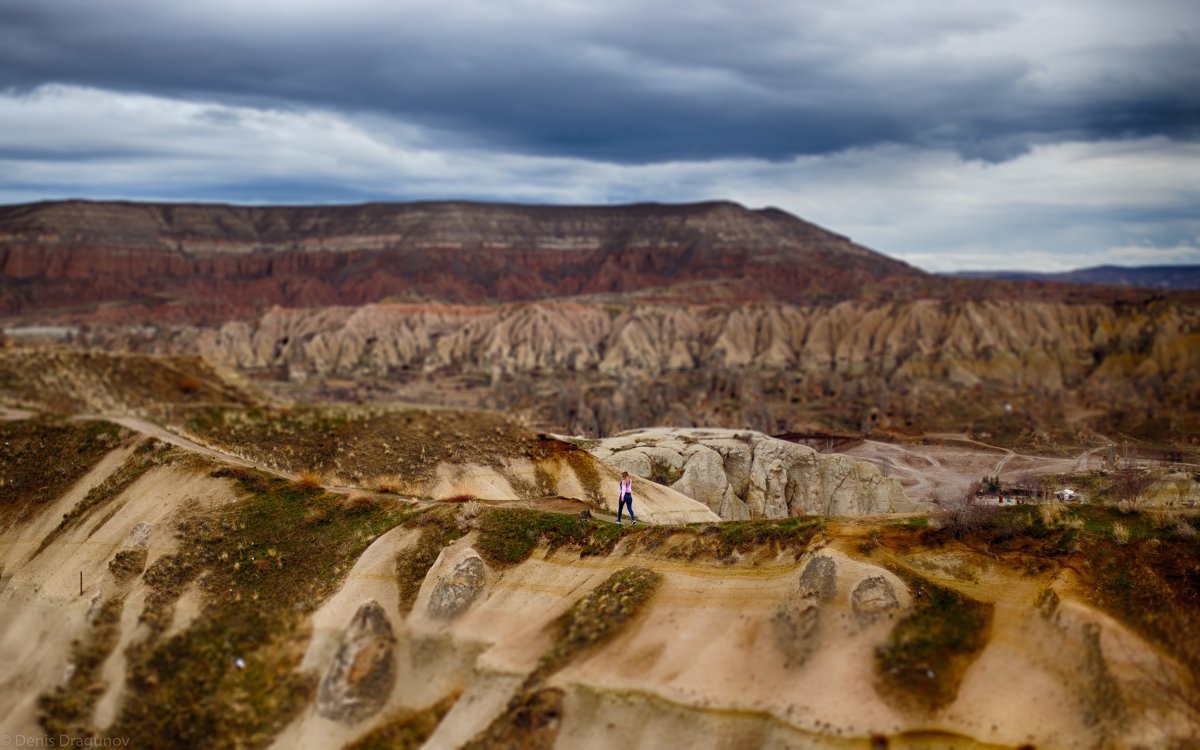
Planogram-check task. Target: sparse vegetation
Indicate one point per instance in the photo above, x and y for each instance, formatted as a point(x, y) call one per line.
point(922, 664)
point(1120, 533)
point(1051, 512)
point(531, 717)
point(601, 614)
point(508, 536)
point(1128, 506)
point(786, 533)
point(1128, 482)
point(1184, 529)
point(405, 729)
point(1145, 575)
point(1151, 584)
point(149, 454)
point(530, 721)
point(260, 568)
point(41, 458)
point(65, 380)
point(309, 479)
point(66, 711)
point(387, 448)
point(916, 522)
point(359, 503)
point(439, 527)
point(127, 563)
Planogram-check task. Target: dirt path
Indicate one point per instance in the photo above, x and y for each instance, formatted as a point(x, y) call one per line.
point(161, 433)
point(150, 429)
point(949, 468)
point(13, 415)
point(1008, 453)
point(891, 458)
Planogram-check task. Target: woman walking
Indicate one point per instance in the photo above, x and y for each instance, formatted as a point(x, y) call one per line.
point(626, 498)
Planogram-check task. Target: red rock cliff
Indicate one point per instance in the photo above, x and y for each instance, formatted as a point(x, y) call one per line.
point(243, 259)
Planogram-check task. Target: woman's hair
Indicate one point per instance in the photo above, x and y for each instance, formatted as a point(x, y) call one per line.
point(624, 474)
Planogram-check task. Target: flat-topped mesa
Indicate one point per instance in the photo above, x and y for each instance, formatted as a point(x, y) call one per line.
point(200, 255)
point(193, 228)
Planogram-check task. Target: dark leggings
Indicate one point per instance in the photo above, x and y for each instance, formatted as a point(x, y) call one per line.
point(626, 501)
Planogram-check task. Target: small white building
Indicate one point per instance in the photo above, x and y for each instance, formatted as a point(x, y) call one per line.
point(1066, 495)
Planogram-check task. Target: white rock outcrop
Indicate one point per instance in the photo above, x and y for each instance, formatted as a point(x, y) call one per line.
point(742, 474)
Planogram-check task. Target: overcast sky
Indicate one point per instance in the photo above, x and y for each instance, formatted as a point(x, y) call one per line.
point(1035, 134)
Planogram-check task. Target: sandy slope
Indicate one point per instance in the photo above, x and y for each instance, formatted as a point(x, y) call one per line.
point(41, 607)
point(704, 665)
point(708, 663)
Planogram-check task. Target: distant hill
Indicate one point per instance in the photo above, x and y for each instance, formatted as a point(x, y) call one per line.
point(1168, 278)
point(218, 259)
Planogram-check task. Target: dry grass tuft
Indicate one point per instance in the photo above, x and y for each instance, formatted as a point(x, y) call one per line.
point(1052, 512)
point(316, 514)
point(467, 514)
point(1184, 528)
point(1128, 506)
point(470, 509)
point(1120, 533)
point(189, 384)
point(1160, 518)
point(357, 503)
point(309, 479)
point(386, 487)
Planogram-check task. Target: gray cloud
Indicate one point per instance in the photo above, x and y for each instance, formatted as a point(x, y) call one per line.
point(1047, 134)
point(1057, 207)
point(634, 83)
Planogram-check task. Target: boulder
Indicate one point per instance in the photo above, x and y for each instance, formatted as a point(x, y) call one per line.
point(797, 617)
point(872, 599)
point(360, 678)
point(819, 579)
point(454, 593)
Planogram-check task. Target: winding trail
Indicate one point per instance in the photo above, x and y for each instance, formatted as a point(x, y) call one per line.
point(961, 437)
point(163, 434)
point(157, 431)
point(952, 465)
point(892, 457)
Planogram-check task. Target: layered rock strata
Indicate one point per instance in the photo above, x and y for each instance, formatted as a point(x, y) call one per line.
point(209, 258)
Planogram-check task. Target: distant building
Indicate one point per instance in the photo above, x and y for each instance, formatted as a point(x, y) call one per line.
point(1066, 495)
point(1001, 499)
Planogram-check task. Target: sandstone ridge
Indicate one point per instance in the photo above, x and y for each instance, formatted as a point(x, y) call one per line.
point(741, 474)
point(368, 623)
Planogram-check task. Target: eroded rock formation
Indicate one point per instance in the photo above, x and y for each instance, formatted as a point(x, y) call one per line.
point(456, 591)
point(741, 474)
point(360, 678)
point(598, 369)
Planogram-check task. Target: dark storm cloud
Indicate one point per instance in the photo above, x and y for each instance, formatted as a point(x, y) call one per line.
point(625, 84)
